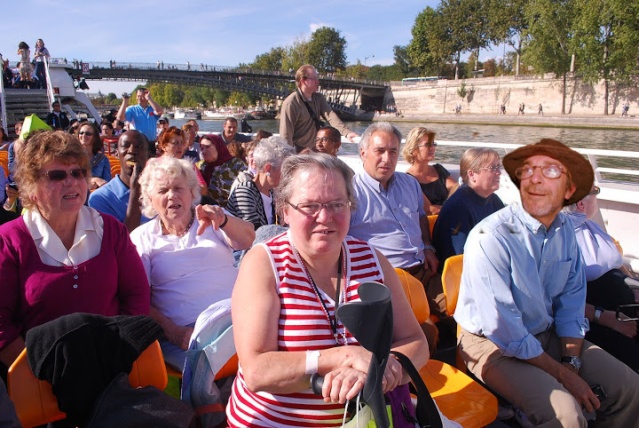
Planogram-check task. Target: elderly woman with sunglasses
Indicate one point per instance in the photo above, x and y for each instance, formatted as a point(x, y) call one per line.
point(61, 256)
point(435, 180)
point(89, 136)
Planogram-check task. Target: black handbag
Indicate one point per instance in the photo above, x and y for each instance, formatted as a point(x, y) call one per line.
point(426, 410)
point(123, 406)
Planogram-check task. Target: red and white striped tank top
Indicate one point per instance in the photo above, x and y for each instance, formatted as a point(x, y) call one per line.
point(303, 325)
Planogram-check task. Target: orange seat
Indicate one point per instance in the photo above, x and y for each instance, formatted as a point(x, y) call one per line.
point(451, 280)
point(4, 161)
point(115, 165)
point(431, 223)
point(36, 404)
point(459, 397)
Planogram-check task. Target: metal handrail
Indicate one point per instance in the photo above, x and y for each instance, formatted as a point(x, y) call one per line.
point(50, 93)
point(3, 104)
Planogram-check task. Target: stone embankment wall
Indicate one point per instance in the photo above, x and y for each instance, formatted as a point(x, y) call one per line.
point(486, 95)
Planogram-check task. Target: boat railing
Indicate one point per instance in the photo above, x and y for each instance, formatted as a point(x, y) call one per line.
point(3, 109)
point(50, 92)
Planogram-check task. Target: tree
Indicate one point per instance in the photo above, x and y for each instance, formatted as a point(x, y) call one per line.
point(431, 47)
point(467, 24)
point(327, 50)
point(507, 20)
point(271, 60)
point(295, 55)
point(548, 39)
point(607, 41)
point(402, 59)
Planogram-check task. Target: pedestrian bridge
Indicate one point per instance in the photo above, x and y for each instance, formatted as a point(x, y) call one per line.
point(350, 98)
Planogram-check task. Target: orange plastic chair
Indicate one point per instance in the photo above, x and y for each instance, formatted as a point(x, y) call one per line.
point(431, 223)
point(451, 281)
point(458, 396)
point(4, 161)
point(36, 404)
point(115, 165)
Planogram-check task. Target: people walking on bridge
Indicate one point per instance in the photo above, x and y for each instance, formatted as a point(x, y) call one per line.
point(143, 116)
point(305, 111)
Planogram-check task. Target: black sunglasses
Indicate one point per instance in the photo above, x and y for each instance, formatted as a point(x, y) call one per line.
point(60, 174)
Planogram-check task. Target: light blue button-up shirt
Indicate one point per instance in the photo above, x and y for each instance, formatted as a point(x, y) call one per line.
point(389, 219)
point(520, 279)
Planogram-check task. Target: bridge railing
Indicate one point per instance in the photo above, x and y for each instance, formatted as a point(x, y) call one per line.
point(199, 67)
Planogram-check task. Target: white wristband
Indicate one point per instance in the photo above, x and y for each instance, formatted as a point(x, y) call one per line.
point(312, 362)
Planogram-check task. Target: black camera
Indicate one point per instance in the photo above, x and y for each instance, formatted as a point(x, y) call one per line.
point(13, 186)
point(125, 95)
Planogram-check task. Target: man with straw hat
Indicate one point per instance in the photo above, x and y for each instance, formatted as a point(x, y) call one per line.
point(522, 299)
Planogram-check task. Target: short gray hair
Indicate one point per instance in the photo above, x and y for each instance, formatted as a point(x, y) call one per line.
point(271, 150)
point(158, 168)
point(306, 162)
point(378, 127)
point(474, 159)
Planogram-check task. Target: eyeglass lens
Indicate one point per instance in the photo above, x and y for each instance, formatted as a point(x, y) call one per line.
point(60, 174)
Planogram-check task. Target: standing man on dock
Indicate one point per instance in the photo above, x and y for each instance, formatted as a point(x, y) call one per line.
point(143, 116)
point(305, 111)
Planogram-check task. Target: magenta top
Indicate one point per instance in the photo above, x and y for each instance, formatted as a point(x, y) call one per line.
point(32, 293)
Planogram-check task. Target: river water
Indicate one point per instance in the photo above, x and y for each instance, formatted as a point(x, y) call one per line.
point(610, 139)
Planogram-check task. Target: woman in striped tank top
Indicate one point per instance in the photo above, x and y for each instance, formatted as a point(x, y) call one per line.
point(284, 304)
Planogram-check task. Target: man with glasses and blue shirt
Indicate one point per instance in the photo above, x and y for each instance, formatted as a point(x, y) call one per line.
point(522, 298)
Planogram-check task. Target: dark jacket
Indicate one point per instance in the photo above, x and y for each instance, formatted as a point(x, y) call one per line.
point(80, 354)
point(58, 123)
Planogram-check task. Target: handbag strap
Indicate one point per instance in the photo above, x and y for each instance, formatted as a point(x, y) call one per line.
point(427, 413)
point(318, 123)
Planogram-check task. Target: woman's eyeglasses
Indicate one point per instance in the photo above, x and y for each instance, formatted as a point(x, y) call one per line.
point(595, 191)
point(60, 174)
point(428, 145)
point(548, 171)
point(312, 209)
point(90, 134)
point(495, 168)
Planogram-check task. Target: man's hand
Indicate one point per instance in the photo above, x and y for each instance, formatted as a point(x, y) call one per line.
point(431, 260)
point(352, 136)
point(578, 388)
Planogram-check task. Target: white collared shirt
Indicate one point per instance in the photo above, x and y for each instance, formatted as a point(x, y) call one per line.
point(89, 229)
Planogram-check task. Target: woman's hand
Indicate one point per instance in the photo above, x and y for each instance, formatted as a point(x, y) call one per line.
point(209, 215)
point(627, 328)
point(393, 374)
point(179, 336)
point(342, 384)
point(96, 182)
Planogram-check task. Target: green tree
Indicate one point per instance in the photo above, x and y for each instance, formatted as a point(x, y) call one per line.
point(548, 39)
point(272, 60)
point(467, 24)
point(296, 55)
point(507, 21)
point(431, 46)
point(327, 50)
point(606, 41)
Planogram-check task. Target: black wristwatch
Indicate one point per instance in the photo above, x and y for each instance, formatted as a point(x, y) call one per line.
point(575, 362)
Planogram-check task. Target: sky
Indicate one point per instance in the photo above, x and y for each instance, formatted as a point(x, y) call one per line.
point(203, 31)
